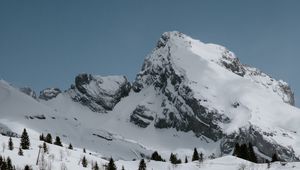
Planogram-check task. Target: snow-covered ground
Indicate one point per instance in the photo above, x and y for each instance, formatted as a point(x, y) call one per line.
point(60, 157)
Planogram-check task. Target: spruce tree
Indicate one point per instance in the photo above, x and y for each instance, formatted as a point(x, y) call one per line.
point(48, 138)
point(244, 154)
point(84, 162)
point(195, 155)
point(70, 146)
point(201, 157)
point(10, 144)
point(186, 160)
point(9, 164)
point(27, 167)
point(274, 158)
point(57, 141)
point(84, 151)
point(42, 138)
point(142, 165)
point(111, 165)
point(156, 157)
point(252, 156)
point(237, 150)
point(123, 167)
point(25, 143)
point(20, 153)
point(96, 167)
point(173, 159)
point(4, 164)
point(45, 148)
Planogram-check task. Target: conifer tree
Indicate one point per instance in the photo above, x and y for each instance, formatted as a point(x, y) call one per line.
point(84, 151)
point(3, 164)
point(48, 138)
point(70, 146)
point(9, 164)
point(84, 162)
point(186, 160)
point(252, 156)
point(27, 167)
point(156, 157)
point(201, 157)
point(25, 143)
point(96, 167)
point(111, 165)
point(10, 144)
point(57, 141)
point(244, 154)
point(195, 155)
point(173, 159)
point(1, 160)
point(42, 138)
point(142, 165)
point(45, 148)
point(274, 158)
point(20, 153)
point(123, 167)
point(237, 150)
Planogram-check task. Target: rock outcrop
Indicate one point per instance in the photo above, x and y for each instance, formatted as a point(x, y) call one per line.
point(99, 93)
point(49, 93)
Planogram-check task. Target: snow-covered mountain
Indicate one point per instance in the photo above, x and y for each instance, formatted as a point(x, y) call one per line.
point(188, 94)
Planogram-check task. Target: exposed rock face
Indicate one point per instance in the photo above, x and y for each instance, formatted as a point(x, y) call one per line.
point(99, 93)
point(29, 92)
point(49, 93)
point(4, 130)
point(257, 138)
point(141, 116)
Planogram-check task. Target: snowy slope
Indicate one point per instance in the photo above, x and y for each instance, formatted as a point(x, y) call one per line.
point(79, 126)
point(62, 158)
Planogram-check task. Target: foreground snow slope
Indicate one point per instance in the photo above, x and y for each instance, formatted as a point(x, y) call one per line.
point(62, 158)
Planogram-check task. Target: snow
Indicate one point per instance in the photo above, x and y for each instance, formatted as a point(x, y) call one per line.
point(58, 157)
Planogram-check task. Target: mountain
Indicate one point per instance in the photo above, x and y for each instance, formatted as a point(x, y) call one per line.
point(205, 89)
point(188, 94)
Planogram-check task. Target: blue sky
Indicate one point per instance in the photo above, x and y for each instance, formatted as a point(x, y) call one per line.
point(47, 43)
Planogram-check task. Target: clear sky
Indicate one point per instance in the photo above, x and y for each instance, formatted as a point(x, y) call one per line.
point(47, 43)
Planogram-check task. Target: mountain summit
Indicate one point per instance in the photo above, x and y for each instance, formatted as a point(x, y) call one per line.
point(188, 94)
